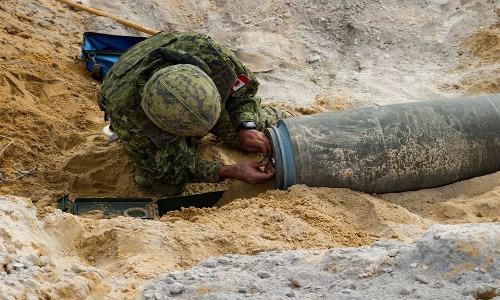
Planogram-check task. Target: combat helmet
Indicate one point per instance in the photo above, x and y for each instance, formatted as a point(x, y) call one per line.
point(182, 100)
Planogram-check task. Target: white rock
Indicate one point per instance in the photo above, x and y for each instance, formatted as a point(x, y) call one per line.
point(177, 288)
point(313, 58)
point(422, 279)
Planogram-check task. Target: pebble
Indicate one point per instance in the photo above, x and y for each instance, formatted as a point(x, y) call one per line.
point(387, 270)
point(176, 288)
point(17, 266)
point(263, 274)
point(76, 269)
point(209, 264)
point(365, 275)
point(242, 290)
point(223, 261)
point(34, 259)
point(346, 291)
point(290, 294)
point(422, 279)
point(313, 58)
point(149, 295)
point(169, 280)
point(413, 265)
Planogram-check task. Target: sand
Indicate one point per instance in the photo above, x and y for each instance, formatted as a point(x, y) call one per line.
point(447, 262)
point(126, 252)
point(370, 53)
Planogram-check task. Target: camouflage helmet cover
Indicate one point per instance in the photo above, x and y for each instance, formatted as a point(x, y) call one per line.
point(182, 100)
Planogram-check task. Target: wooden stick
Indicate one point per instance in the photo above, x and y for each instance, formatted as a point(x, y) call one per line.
point(101, 13)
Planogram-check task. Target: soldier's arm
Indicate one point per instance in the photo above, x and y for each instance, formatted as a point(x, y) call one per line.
point(254, 172)
point(244, 105)
point(178, 162)
point(207, 171)
point(183, 162)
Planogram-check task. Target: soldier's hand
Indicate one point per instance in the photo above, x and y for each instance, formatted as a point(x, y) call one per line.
point(255, 141)
point(254, 172)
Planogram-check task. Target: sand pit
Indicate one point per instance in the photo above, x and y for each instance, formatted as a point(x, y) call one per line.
point(329, 56)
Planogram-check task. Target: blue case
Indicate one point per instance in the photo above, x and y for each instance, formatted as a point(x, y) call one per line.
point(101, 51)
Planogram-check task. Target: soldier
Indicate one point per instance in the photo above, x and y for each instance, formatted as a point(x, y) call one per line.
point(170, 90)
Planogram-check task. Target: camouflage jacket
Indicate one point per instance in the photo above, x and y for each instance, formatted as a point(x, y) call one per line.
point(163, 158)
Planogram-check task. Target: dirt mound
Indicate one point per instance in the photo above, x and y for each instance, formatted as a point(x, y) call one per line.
point(47, 102)
point(34, 266)
point(114, 256)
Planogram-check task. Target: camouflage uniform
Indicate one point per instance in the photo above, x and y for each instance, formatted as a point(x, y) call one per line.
point(162, 161)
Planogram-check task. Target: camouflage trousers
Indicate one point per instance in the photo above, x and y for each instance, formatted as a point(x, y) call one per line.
point(226, 133)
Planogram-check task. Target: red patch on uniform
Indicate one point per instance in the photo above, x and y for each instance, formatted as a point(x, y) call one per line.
point(240, 82)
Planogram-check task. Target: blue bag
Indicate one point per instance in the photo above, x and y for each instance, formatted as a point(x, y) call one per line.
point(101, 51)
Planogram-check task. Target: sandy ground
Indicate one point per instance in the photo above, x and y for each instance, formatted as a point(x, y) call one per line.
point(125, 252)
point(447, 262)
point(328, 57)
